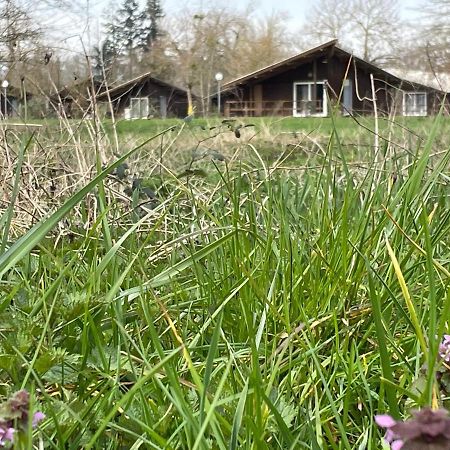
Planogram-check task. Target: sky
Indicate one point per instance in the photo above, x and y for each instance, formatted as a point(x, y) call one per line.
point(296, 12)
point(296, 8)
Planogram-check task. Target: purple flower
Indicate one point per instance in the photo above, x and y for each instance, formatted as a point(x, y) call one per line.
point(6, 433)
point(444, 348)
point(15, 416)
point(427, 430)
point(19, 404)
point(38, 416)
point(386, 421)
point(9, 435)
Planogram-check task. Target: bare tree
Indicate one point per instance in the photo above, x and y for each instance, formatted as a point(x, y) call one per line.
point(377, 24)
point(264, 42)
point(199, 41)
point(372, 28)
point(327, 19)
point(224, 39)
point(18, 33)
point(434, 44)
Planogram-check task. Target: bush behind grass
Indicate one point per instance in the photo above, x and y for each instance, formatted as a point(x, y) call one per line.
point(254, 308)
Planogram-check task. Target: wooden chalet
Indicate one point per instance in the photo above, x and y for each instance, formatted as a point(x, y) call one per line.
point(146, 97)
point(312, 82)
point(76, 100)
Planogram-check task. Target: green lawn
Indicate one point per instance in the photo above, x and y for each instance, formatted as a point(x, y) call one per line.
point(299, 124)
point(278, 124)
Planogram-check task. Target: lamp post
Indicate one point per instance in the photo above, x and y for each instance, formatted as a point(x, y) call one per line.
point(5, 85)
point(219, 78)
point(3, 74)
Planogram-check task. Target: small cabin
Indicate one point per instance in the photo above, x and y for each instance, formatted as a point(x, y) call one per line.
point(313, 82)
point(146, 97)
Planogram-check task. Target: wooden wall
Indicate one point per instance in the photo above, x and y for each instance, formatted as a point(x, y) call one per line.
point(333, 67)
point(176, 100)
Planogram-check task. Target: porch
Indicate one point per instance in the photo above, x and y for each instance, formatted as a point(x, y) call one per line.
point(301, 108)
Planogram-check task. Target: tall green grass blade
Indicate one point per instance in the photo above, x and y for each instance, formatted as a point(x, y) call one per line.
point(237, 421)
point(213, 348)
point(409, 303)
point(141, 382)
point(385, 360)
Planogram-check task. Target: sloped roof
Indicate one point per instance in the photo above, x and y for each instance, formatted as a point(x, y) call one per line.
point(128, 85)
point(268, 70)
point(438, 80)
point(281, 66)
point(78, 90)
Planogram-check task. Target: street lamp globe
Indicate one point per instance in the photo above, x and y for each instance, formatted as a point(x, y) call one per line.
point(219, 78)
point(5, 85)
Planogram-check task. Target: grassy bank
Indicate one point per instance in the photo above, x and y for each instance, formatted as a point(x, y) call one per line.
point(242, 304)
point(276, 124)
point(324, 125)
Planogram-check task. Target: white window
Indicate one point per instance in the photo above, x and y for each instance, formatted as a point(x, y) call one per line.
point(414, 103)
point(139, 108)
point(310, 99)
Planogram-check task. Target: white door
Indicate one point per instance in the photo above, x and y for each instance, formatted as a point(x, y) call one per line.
point(139, 108)
point(310, 99)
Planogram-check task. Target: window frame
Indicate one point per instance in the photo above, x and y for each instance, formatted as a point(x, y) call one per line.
point(324, 113)
point(416, 113)
point(141, 100)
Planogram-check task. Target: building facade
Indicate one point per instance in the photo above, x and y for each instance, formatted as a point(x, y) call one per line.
point(314, 82)
point(146, 97)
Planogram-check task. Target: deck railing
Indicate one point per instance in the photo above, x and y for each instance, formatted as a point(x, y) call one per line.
point(233, 108)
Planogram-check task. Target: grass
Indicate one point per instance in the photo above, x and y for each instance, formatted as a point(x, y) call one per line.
point(262, 302)
point(275, 124)
point(324, 126)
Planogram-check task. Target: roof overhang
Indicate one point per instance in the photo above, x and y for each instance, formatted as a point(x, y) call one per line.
point(281, 66)
point(329, 48)
point(131, 84)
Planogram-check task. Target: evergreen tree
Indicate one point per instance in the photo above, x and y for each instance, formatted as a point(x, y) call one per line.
point(126, 33)
point(153, 14)
point(105, 59)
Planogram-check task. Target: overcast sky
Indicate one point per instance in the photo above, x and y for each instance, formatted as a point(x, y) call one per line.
point(296, 9)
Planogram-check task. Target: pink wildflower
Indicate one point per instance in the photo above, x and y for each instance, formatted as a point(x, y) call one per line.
point(444, 348)
point(427, 430)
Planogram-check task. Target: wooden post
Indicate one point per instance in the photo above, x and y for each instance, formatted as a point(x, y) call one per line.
point(258, 100)
point(25, 103)
point(314, 92)
point(190, 110)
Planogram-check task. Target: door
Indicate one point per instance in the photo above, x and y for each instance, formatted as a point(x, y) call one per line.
point(301, 99)
point(139, 108)
point(347, 98)
point(310, 99)
point(163, 106)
